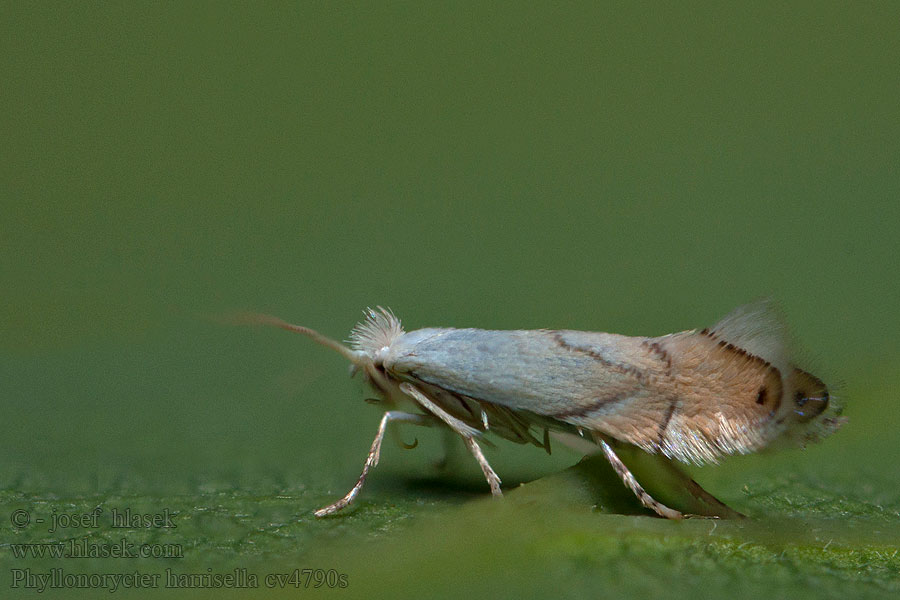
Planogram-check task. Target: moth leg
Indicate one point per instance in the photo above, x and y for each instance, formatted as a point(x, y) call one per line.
point(492, 478)
point(465, 432)
point(632, 484)
point(374, 455)
point(448, 448)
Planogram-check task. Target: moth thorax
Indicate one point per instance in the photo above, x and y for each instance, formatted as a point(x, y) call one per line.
point(380, 355)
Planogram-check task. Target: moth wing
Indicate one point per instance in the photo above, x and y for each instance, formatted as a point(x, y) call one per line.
point(758, 328)
point(549, 373)
point(693, 396)
point(725, 392)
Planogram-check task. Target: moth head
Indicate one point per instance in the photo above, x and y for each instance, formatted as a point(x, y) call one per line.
point(374, 335)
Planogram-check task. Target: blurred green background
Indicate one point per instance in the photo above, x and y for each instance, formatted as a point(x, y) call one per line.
point(632, 167)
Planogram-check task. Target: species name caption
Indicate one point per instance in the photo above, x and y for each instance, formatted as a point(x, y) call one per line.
point(694, 396)
point(238, 578)
point(100, 521)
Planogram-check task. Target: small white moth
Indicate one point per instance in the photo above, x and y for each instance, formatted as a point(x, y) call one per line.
point(693, 396)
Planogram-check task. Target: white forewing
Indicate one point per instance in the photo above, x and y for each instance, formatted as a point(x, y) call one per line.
point(537, 371)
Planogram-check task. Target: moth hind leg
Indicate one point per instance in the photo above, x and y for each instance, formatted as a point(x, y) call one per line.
point(374, 455)
point(466, 432)
point(631, 483)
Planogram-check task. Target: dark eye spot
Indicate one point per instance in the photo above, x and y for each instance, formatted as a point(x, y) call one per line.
point(800, 398)
point(761, 395)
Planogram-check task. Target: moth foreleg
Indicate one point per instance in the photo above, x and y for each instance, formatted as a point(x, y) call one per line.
point(374, 455)
point(632, 484)
point(465, 432)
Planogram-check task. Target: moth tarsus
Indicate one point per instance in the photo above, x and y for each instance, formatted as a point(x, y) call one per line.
point(693, 396)
point(389, 417)
point(632, 484)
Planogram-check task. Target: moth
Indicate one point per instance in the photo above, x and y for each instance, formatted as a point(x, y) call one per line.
point(693, 396)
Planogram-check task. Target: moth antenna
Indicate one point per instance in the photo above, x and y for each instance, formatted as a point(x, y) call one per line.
point(250, 318)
